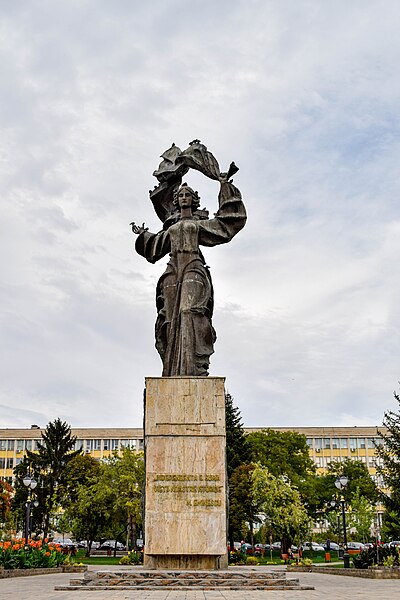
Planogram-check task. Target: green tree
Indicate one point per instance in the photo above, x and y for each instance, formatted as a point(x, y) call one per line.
point(361, 516)
point(236, 447)
point(281, 505)
point(90, 514)
point(124, 477)
point(47, 465)
point(391, 525)
point(359, 480)
point(236, 455)
point(284, 453)
point(389, 470)
point(242, 507)
point(81, 470)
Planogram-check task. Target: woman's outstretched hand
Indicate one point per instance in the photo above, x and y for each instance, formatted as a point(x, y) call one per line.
point(138, 229)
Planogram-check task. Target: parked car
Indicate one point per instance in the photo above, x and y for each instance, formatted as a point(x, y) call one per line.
point(394, 544)
point(355, 547)
point(259, 549)
point(139, 544)
point(111, 544)
point(276, 546)
point(84, 544)
point(307, 546)
point(333, 546)
point(65, 543)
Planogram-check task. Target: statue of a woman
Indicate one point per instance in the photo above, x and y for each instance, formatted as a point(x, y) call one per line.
point(184, 333)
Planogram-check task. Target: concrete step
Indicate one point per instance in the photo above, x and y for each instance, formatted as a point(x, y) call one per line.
point(216, 583)
point(184, 580)
point(192, 575)
point(92, 588)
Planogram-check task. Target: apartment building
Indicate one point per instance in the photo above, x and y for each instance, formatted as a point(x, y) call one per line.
point(326, 444)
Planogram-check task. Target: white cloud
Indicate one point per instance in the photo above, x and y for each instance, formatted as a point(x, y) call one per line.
point(304, 97)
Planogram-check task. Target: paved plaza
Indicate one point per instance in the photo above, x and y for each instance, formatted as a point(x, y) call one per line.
point(326, 586)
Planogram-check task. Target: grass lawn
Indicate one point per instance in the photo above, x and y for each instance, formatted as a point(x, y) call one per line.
point(96, 560)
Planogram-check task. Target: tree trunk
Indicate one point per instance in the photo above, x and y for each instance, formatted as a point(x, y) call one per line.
point(286, 543)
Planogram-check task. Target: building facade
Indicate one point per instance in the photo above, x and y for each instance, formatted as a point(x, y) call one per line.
point(326, 444)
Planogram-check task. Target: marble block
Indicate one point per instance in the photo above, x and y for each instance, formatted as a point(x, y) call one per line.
point(185, 450)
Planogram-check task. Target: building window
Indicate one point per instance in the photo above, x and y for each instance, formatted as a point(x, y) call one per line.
point(335, 443)
point(114, 444)
point(96, 444)
point(89, 445)
point(3, 444)
point(361, 443)
point(106, 444)
point(10, 444)
point(309, 442)
point(370, 442)
point(353, 444)
point(35, 444)
point(2, 462)
point(10, 463)
point(28, 444)
point(17, 461)
point(378, 441)
point(327, 443)
point(343, 443)
point(20, 445)
point(79, 444)
point(318, 443)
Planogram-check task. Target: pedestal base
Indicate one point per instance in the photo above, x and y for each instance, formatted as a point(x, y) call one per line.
point(185, 562)
point(185, 452)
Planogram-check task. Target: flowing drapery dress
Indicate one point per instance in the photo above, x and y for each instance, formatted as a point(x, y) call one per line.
point(184, 333)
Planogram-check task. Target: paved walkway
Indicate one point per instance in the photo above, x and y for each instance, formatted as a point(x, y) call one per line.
point(326, 586)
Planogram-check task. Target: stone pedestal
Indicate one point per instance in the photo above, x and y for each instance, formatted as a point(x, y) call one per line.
point(185, 452)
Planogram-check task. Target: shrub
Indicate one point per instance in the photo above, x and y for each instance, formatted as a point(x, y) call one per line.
point(251, 560)
point(14, 554)
point(372, 556)
point(132, 558)
point(389, 561)
point(236, 558)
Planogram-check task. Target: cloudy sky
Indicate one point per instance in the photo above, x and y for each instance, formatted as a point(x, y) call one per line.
point(304, 96)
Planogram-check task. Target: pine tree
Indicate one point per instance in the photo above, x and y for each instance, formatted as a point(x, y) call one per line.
point(54, 452)
point(236, 457)
point(236, 449)
point(389, 453)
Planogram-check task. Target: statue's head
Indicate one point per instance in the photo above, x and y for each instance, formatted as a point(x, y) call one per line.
point(186, 197)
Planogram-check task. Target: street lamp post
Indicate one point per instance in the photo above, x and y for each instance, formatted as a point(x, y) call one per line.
point(30, 483)
point(341, 483)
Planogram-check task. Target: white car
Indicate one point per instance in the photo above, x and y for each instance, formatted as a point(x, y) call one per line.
point(355, 546)
point(313, 546)
point(64, 543)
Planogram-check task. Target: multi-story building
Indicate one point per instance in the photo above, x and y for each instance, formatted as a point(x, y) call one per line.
point(326, 444)
point(336, 444)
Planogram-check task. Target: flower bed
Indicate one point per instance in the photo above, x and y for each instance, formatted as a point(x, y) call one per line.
point(36, 554)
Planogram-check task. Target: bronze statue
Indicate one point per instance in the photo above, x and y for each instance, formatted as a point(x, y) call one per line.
point(184, 333)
